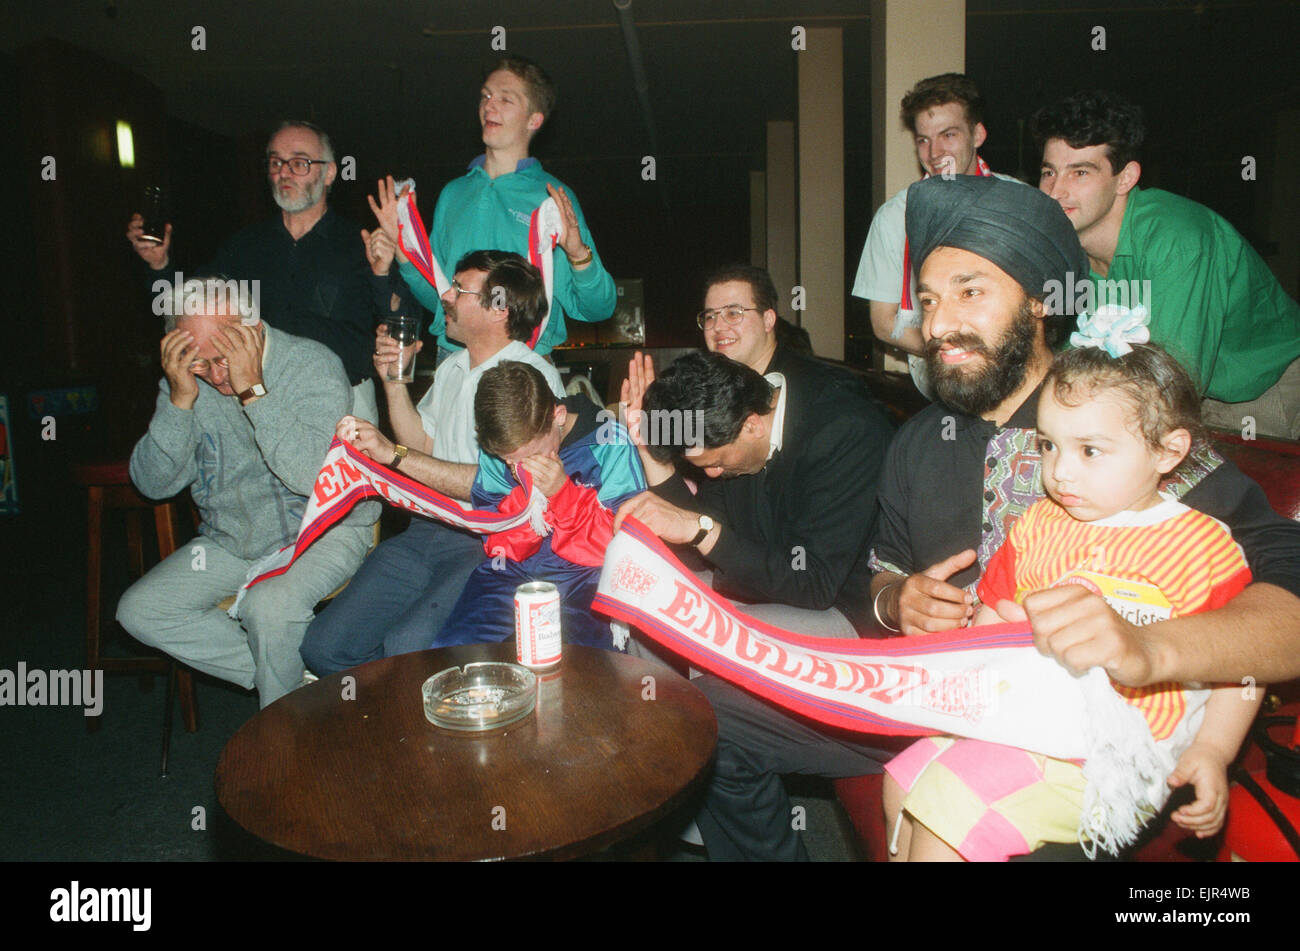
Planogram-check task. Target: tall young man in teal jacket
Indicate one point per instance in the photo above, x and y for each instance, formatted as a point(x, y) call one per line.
point(491, 204)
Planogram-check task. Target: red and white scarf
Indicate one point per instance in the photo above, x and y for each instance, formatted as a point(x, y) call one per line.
point(544, 227)
point(348, 477)
point(989, 683)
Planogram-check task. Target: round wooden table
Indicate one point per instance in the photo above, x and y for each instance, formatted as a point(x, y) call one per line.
point(614, 744)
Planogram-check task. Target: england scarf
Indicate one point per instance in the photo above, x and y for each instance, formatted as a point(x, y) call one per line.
point(988, 683)
point(348, 477)
point(544, 227)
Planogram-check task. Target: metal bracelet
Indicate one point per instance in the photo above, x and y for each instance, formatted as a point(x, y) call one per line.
point(875, 607)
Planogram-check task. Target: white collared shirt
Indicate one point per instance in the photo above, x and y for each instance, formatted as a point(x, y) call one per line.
point(447, 410)
point(778, 415)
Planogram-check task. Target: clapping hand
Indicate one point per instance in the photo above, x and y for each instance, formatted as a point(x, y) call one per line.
point(570, 236)
point(386, 214)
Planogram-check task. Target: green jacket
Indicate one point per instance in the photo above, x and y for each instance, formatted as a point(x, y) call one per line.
point(1214, 303)
point(477, 213)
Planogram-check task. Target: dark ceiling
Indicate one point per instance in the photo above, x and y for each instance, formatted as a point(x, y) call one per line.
point(395, 83)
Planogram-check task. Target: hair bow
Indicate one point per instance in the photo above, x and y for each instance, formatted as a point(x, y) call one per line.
point(1113, 328)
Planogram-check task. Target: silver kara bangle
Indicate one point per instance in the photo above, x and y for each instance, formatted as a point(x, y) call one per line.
point(875, 607)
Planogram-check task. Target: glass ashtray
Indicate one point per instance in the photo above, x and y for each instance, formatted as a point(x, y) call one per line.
point(480, 696)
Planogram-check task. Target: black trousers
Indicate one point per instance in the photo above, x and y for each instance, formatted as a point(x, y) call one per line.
point(746, 815)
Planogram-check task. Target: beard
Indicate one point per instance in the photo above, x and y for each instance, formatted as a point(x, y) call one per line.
point(975, 392)
point(309, 195)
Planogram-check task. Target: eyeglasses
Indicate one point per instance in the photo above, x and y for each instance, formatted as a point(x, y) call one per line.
point(298, 166)
point(201, 365)
point(456, 286)
point(731, 315)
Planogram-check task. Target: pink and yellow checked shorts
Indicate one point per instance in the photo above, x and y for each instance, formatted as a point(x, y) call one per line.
point(987, 801)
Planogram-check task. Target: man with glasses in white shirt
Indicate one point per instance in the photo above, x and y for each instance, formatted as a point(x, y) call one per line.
point(405, 590)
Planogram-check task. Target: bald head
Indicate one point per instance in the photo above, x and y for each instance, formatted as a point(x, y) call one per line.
point(208, 364)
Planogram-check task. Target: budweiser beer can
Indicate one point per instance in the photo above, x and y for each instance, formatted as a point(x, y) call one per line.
point(537, 624)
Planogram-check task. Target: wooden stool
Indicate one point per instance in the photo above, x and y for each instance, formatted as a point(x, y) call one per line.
point(108, 486)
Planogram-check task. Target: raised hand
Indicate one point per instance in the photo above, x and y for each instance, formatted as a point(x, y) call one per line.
point(570, 235)
point(380, 251)
point(386, 213)
point(153, 253)
point(640, 374)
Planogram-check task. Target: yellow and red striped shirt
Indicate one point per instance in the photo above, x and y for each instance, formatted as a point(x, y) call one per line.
point(1165, 561)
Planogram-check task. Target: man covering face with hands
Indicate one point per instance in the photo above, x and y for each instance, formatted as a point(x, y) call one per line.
point(244, 417)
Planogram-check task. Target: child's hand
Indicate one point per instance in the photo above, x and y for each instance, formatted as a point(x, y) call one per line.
point(1205, 768)
point(547, 472)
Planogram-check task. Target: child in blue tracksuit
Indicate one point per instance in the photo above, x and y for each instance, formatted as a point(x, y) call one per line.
point(587, 467)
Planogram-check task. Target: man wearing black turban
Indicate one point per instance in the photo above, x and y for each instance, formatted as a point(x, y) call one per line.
point(956, 477)
point(999, 234)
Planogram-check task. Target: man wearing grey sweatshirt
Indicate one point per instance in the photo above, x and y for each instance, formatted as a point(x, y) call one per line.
point(248, 442)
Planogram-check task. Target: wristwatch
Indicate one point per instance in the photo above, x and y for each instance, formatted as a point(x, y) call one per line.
point(399, 453)
point(252, 393)
point(706, 526)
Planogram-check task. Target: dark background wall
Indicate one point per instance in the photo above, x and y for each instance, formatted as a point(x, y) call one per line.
point(397, 87)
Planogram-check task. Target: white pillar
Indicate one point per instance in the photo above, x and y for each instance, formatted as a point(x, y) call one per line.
point(821, 190)
point(910, 40)
point(781, 221)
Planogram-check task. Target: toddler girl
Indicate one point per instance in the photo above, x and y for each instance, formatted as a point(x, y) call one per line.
point(1111, 429)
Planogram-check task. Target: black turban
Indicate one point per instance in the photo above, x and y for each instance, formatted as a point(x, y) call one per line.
point(1017, 227)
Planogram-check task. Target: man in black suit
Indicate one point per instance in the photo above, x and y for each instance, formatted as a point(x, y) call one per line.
point(783, 519)
point(786, 512)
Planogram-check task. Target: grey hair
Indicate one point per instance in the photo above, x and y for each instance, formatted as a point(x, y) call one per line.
point(326, 146)
point(210, 295)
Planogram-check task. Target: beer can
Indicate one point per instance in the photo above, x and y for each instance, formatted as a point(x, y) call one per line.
point(537, 625)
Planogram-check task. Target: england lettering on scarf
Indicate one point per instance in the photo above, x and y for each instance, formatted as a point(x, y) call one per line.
point(987, 683)
point(53, 688)
point(77, 904)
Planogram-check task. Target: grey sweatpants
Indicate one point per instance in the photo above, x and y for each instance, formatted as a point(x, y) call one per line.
point(174, 608)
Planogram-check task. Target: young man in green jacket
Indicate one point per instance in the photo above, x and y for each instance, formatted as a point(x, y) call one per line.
point(1214, 304)
point(491, 204)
